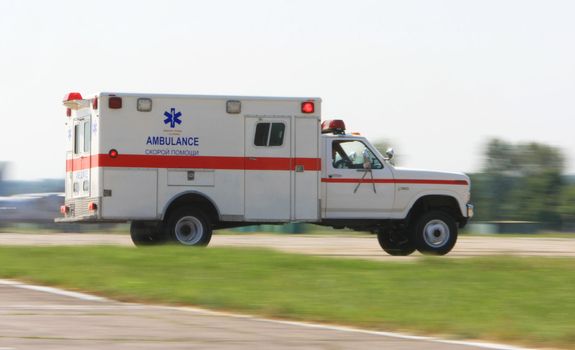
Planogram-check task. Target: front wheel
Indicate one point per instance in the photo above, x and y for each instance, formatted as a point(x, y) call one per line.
point(190, 227)
point(395, 243)
point(434, 233)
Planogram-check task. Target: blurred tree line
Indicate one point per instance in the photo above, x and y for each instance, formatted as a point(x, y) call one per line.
point(524, 182)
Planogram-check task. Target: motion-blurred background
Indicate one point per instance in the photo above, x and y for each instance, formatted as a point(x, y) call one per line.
point(521, 188)
point(482, 87)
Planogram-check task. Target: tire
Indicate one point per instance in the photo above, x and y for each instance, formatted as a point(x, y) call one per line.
point(434, 233)
point(395, 243)
point(146, 234)
point(190, 227)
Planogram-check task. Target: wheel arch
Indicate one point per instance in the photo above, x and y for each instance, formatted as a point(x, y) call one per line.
point(443, 202)
point(193, 199)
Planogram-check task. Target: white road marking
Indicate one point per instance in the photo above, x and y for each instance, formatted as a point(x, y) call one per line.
point(51, 290)
point(74, 307)
point(493, 346)
point(88, 297)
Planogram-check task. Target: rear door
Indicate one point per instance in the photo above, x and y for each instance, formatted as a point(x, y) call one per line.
point(268, 167)
point(81, 160)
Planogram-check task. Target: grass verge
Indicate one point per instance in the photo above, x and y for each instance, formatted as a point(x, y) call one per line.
point(528, 301)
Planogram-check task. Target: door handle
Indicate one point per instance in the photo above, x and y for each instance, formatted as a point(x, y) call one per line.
point(252, 158)
point(334, 175)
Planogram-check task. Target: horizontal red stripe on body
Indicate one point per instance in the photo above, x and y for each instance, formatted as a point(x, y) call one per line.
point(197, 162)
point(395, 181)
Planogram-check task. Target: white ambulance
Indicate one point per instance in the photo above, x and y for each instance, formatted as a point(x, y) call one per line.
point(179, 166)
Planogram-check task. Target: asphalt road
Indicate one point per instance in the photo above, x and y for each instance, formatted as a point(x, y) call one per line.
point(43, 318)
point(360, 246)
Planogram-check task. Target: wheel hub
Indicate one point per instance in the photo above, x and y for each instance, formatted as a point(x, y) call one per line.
point(436, 233)
point(189, 230)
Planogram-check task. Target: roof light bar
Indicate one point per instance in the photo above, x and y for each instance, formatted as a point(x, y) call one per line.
point(335, 126)
point(72, 96)
point(74, 100)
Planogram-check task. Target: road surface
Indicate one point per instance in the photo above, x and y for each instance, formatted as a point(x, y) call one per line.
point(360, 246)
point(46, 318)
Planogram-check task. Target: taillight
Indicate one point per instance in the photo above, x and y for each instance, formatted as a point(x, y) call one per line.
point(95, 102)
point(68, 112)
point(64, 209)
point(92, 206)
point(114, 102)
point(307, 107)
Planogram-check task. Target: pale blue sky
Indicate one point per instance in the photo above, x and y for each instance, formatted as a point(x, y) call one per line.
point(435, 77)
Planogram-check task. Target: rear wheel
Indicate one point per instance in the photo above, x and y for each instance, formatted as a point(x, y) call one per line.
point(434, 233)
point(190, 227)
point(395, 243)
point(146, 233)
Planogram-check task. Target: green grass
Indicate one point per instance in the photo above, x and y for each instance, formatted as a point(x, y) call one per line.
point(527, 301)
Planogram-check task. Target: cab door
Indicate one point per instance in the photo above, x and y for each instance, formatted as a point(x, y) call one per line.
point(81, 160)
point(358, 184)
point(268, 165)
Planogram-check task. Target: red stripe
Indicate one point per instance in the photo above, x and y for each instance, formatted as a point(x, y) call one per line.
point(396, 181)
point(200, 162)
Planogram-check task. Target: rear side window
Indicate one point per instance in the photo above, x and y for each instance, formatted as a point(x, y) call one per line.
point(87, 134)
point(269, 134)
point(77, 137)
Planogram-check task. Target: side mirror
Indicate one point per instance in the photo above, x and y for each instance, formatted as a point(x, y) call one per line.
point(389, 153)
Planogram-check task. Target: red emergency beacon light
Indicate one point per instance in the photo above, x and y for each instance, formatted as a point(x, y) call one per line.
point(69, 101)
point(72, 96)
point(335, 126)
point(307, 107)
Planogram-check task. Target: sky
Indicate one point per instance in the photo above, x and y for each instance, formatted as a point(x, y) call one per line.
point(437, 79)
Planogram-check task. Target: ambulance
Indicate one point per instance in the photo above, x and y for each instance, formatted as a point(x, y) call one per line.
point(178, 167)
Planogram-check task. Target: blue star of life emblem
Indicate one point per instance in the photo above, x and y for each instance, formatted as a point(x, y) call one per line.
point(172, 117)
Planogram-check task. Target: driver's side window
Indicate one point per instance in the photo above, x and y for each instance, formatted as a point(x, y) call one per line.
point(353, 154)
